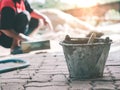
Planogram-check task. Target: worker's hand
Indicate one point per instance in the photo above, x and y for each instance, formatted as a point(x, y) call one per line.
point(25, 38)
point(44, 20)
point(47, 22)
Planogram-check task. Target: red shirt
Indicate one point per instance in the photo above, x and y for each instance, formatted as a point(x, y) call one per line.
point(17, 7)
point(8, 12)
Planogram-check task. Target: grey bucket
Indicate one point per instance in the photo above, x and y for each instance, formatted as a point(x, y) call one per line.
point(85, 61)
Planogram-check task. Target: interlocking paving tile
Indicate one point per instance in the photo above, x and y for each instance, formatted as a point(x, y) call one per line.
point(80, 85)
point(12, 86)
point(40, 78)
point(38, 84)
point(117, 83)
point(0, 86)
point(103, 85)
point(45, 84)
point(5, 75)
point(13, 80)
point(47, 67)
point(59, 78)
point(114, 69)
point(48, 88)
point(48, 71)
point(118, 88)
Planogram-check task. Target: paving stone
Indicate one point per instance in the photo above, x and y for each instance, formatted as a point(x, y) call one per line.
point(45, 84)
point(116, 76)
point(38, 84)
point(40, 78)
point(112, 61)
point(28, 72)
point(0, 86)
point(13, 86)
point(106, 77)
point(102, 85)
point(16, 77)
point(106, 70)
point(103, 88)
point(48, 71)
point(48, 88)
point(52, 64)
point(50, 61)
point(59, 78)
point(63, 68)
point(11, 73)
point(80, 85)
point(47, 67)
point(51, 72)
point(114, 69)
point(117, 84)
point(59, 83)
point(118, 88)
point(13, 80)
point(21, 74)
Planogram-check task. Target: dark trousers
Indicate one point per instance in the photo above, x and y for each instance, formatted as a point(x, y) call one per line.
point(22, 25)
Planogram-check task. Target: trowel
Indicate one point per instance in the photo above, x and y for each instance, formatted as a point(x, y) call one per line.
point(28, 46)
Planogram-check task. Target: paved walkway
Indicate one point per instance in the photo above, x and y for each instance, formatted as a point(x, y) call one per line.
point(48, 71)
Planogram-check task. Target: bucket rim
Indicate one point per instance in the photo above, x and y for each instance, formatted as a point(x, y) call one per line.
point(104, 42)
point(90, 44)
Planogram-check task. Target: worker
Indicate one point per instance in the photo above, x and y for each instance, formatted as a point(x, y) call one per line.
point(18, 22)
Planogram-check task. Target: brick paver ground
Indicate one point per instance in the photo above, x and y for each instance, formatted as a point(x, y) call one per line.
point(48, 71)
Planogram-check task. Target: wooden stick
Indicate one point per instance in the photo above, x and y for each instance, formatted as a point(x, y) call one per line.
point(91, 39)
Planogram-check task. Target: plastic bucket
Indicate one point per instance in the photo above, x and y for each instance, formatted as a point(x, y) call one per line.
point(85, 61)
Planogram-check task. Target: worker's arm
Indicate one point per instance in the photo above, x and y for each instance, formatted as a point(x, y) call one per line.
point(13, 34)
point(44, 18)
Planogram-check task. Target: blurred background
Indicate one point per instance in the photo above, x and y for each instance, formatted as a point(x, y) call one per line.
point(80, 17)
point(95, 12)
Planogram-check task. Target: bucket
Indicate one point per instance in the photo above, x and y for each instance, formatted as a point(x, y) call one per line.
point(85, 60)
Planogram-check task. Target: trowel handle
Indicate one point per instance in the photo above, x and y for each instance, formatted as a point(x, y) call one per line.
point(91, 39)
